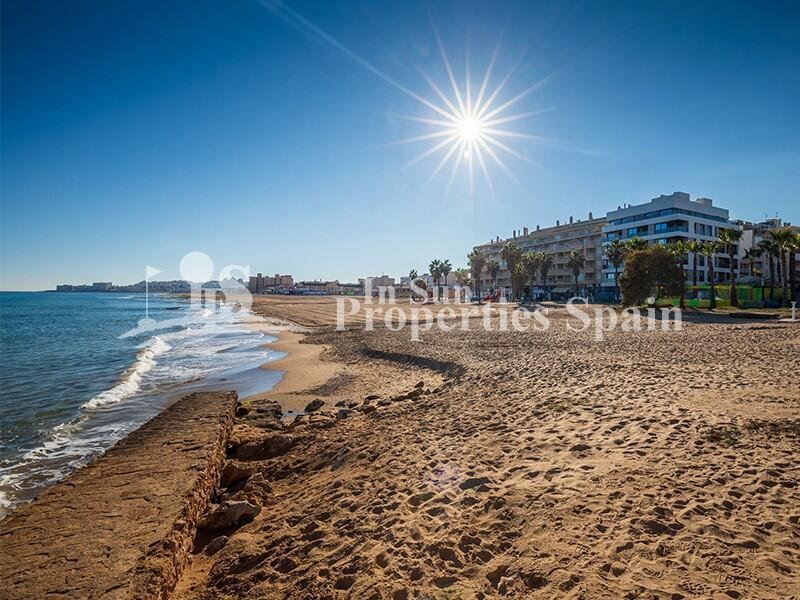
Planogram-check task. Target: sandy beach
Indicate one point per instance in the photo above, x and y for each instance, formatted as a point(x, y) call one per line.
point(545, 464)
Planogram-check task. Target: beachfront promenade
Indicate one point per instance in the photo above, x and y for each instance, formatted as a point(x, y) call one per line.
point(123, 526)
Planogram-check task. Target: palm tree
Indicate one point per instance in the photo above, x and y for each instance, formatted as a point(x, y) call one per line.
point(771, 249)
point(544, 268)
point(636, 243)
point(575, 261)
point(412, 275)
point(530, 262)
point(494, 268)
point(678, 250)
point(730, 237)
point(709, 249)
point(615, 252)
point(794, 248)
point(477, 260)
point(512, 255)
point(750, 255)
point(446, 268)
point(461, 275)
point(693, 246)
point(436, 272)
point(783, 238)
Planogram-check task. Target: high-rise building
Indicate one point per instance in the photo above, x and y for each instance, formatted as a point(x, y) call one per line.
point(666, 219)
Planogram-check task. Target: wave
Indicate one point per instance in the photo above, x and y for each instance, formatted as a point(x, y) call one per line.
point(145, 360)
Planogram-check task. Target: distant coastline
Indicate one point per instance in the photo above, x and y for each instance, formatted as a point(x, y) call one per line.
point(176, 286)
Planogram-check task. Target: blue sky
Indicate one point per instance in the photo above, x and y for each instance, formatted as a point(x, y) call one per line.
point(134, 132)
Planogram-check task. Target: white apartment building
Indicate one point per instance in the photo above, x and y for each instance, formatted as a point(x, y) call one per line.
point(669, 218)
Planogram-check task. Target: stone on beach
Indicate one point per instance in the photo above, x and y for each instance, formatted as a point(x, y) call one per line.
point(229, 514)
point(216, 545)
point(269, 446)
point(233, 472)
point(314, 405)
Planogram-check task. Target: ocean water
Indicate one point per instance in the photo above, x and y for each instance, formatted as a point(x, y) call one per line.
point(77, 374)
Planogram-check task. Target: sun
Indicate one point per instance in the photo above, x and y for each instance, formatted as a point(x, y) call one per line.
point(467, 127)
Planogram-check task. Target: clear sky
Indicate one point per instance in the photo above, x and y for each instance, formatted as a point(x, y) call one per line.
point(134, 132)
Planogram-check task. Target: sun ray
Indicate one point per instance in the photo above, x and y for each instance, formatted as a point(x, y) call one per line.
point(420, 138)
point(426, 120)
point(441, 94)
point(494, 94)
point(433, 150)
point(468, 93)
point(486, 77)
point(497, 160)
point(517, 117)
point(456, 165)
point(463, 125)
point(506, 148)
point(447, 66)
point(515, 99)
point(483, 168)
point(512, 134)
point(444, 161)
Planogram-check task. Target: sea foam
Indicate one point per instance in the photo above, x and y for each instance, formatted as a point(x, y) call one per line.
point(132, 379)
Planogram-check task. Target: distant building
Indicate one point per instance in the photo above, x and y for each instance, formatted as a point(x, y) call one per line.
point(558, 241)
point(666, 219)
point(261, 284)
point(375, 282)
point(319, 287)
point(351, 289)
point(756, 269)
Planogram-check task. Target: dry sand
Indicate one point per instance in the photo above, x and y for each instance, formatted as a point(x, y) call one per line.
point(541, 465)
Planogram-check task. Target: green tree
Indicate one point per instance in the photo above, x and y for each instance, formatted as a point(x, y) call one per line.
point(477, 260)
point(693, 246)
point(446, 268)
point(730, 237)
point(576, 261)
point(436, 273)
point(493, 267)
point(615, 252)
point(771, 248)
point(650, 271)
point(544, 268)
point(794, 248)
point(709, 249)
point(678, 250)
point(462, 276)
point(751, 255)
point(512, 256)
point(636, 243)
point(783, 238)
point(530, 262)
point(412, 274)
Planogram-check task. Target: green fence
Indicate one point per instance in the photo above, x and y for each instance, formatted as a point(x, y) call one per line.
point(699, 296)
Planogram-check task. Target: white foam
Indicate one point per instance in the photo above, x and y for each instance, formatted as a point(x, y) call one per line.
point(132, 379)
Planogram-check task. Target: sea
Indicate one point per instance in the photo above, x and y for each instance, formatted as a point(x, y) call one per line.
point(79, 371)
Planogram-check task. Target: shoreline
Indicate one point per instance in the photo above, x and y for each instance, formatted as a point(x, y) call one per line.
point(238, 377)
point(476, 464)
point(302, 368)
